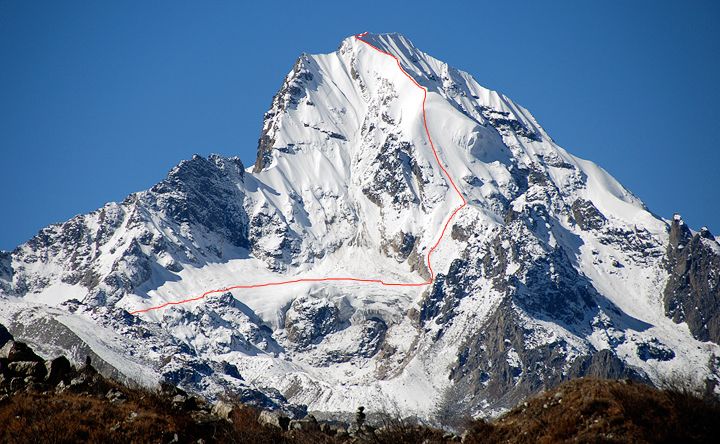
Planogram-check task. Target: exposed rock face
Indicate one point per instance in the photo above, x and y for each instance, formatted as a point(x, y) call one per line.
point(692, 293)
point(604, 364)
point(497, 364)
point(360, 341)
point(401, 247)
point(6, 272)
point(309, 320)
point(204, 192)
point(446, 292)
point(232, 325)
point(397, 175)
point(654, 349)
point(186, 218)
point(502, 364)
point(507, 124)
point(289, 95)
point(270, 225)
point(586, 215)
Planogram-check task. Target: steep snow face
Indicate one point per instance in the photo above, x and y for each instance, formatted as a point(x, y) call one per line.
point(552, 269)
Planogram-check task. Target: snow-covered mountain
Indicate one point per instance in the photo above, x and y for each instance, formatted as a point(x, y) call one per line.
point(552, 270)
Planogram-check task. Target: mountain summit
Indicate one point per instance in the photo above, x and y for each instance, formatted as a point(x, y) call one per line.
point(553, 270)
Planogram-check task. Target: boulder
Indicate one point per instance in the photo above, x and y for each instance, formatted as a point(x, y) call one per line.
point(115, 396)
point(80, 379)
point(18, 351)
point(34, 386)
point(330, 429)
point(5, 335)
point(88, 368)
point(58, 369)
point(16, 384)
point(183, 401)
point(308, 424)
point(168, 390)
point(179, 400)
point(274, 419)
point(89, 383)
point(196, 403)
point(222, 409)
point(451, 437)
point(202, 417)
point(32, 369)
point(79, 383)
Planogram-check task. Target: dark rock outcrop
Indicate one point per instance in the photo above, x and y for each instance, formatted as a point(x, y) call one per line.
point(501, 365)
point(507, 124)
point(586, 215)
point(58, 369)
point(310, 319)
point(15, 351)
point(203, 192)
point(5, 336)
point(604, 364)
point(692, 293)
point(6, 274)
point(24, 369)
point(288, 96)
point(654, 349)
point(397, 174)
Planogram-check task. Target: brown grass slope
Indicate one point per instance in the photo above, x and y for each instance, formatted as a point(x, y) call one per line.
point(584, 410)
point(604, 411)
point(51, 401)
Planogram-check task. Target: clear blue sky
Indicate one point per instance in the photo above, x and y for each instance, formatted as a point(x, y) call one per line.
point(99, 99)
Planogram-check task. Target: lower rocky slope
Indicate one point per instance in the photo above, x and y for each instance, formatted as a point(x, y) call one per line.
point(52, 401)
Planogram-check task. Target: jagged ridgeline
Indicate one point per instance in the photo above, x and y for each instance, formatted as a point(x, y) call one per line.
point(552, 271)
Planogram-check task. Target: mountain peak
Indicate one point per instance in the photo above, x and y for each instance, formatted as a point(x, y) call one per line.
point(551, 269)
point(392, 42)
point(387, 41)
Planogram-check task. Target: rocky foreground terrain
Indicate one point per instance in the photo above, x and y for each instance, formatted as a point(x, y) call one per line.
point(52, 401)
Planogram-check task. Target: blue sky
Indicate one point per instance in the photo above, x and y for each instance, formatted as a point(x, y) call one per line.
point(100, 99)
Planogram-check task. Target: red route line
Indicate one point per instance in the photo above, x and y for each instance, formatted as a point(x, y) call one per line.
point(351, 279)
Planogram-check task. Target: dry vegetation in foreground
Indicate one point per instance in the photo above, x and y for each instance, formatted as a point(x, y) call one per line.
point(145, 417)
point(53, 402)
point(603, 411)
point(584, 410)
